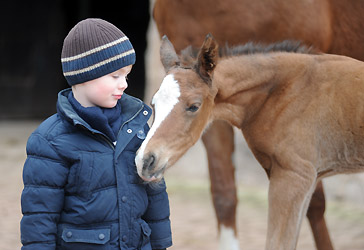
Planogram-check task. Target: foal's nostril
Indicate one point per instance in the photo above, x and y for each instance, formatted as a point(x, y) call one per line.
point(149, 162)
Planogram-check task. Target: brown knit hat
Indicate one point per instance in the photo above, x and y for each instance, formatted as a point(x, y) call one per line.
point(94, 48)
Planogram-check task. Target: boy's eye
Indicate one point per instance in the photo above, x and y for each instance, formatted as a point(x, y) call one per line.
point(117, 77)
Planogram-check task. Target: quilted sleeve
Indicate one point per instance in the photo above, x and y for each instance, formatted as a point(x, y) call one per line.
point(44, 176)
point(157, 216)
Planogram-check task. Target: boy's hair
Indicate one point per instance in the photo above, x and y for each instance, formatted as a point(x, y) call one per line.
point(94, 48)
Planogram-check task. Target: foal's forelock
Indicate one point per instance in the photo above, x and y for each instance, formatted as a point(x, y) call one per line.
point(163, 101)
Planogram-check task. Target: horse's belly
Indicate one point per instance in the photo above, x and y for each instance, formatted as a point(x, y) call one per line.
point(342, 158)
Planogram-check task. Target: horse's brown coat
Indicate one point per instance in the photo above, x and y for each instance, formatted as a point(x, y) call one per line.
point(302, 116)
point(333, 26)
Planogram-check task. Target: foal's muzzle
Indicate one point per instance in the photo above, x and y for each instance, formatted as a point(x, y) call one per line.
point(149, 172)
point(148, 163)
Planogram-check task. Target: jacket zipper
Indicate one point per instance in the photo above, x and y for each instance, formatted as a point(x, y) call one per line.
point(104, 137)
point(98, 135)
point(136, 113)
point(108, 141)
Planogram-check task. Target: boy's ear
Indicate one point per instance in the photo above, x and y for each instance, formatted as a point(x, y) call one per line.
point(207, 58)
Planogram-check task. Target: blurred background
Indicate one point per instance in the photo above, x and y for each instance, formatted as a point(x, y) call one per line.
point(31, 38)
point(32, 34)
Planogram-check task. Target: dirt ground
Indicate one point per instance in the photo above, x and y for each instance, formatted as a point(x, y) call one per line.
point(192, 215)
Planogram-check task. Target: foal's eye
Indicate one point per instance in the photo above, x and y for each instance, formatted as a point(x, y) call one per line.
point(193, 108)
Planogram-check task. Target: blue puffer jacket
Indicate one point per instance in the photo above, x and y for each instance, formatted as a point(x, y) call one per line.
point(82, 192)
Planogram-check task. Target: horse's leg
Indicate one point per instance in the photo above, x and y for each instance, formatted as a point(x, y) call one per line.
point(292, 182)
point(315, 215)
point(219, 144)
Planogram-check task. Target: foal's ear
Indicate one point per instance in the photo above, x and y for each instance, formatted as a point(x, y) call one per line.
point(168, 54)
point(207, 58)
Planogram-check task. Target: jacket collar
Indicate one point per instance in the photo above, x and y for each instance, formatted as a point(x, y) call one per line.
point(130, 107)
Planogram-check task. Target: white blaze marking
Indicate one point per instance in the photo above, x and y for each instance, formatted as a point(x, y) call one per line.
point(163, 101)
point(228, 240)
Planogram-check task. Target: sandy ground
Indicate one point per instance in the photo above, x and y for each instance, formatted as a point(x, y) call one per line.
point(192, 214)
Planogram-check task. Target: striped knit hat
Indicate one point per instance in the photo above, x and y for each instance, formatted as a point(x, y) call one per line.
point(94, 48)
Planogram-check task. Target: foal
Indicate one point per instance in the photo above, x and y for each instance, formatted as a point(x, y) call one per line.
point(301, 115)
point(332, 26)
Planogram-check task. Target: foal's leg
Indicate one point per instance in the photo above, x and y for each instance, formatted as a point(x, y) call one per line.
point(219, 144)
point(290, 189)
point(315, 215)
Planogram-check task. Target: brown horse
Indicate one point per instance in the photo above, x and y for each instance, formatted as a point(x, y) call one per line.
point(332, 26)
point(302, 116)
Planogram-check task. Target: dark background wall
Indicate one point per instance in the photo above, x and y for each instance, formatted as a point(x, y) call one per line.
point(31, 38)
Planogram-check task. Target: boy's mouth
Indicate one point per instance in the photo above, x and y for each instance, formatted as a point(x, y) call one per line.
point(117, 96)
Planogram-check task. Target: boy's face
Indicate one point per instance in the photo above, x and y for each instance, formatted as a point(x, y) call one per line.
point(104, 91)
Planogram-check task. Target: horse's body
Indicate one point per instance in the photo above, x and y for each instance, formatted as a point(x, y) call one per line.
point(301, 115)
point(333, 26)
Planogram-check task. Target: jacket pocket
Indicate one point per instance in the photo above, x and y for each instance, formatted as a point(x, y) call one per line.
point(84, 174)
point(85, 238)
point(146, 231)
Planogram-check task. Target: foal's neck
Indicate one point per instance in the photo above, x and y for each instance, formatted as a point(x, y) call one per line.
point(245, 82)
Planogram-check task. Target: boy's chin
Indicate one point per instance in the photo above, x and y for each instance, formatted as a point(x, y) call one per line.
point(108, 105)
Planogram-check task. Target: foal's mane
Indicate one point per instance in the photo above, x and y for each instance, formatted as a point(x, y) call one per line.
point(258, 48)
point(189, 54)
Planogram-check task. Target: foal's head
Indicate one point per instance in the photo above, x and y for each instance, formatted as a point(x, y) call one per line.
point(182, 108)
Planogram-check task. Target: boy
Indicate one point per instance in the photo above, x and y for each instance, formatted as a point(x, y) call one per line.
point(81, 188)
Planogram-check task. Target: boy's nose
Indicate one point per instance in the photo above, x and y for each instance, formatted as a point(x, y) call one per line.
point(123, 84)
